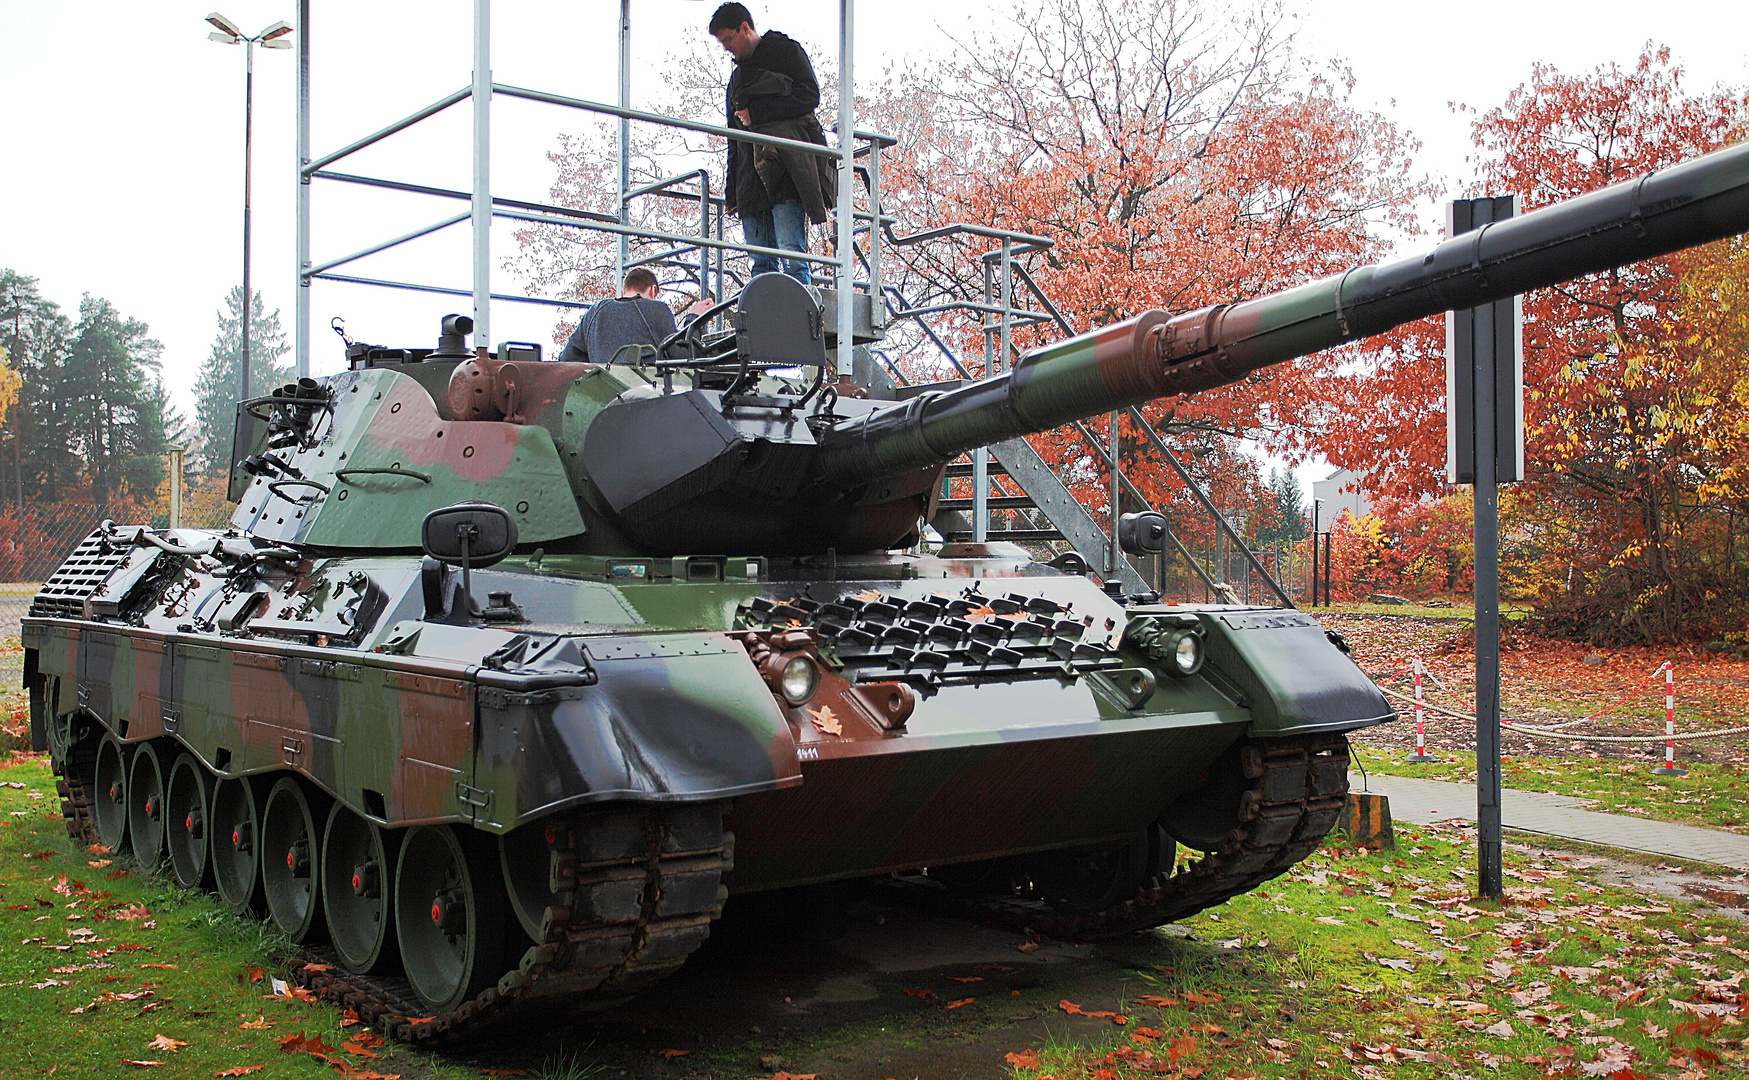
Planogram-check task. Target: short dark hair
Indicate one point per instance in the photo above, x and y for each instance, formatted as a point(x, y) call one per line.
point(639, 279)
point(730, 17)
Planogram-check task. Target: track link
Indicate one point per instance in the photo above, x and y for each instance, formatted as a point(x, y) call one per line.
point(1298, 787)
point(634, 893)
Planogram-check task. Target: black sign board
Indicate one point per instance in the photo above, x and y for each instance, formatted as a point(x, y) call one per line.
point(1478, 335)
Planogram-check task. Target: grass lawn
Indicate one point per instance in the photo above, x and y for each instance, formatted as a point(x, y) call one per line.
point(103, 969)
point(1710, 795)
point(1382, 965)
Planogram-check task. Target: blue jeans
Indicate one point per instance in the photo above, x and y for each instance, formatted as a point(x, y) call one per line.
point(783, 226)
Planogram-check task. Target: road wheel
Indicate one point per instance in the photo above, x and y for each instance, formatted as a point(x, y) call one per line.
point(109, 793)
point(289, 861)
point(187, 810)
point(1084, 882)
point(356, 891)
point(236, 845)
point(450, 914)
point(145, 802)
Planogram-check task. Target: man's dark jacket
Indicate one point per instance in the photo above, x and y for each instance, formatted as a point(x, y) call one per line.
point(776, 85)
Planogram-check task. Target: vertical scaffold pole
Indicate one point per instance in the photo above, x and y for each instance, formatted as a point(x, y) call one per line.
point(625, 139)
point(301, 327)
point(846, 186)
point(482, 205)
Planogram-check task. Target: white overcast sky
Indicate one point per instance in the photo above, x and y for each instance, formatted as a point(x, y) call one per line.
point(124, 124)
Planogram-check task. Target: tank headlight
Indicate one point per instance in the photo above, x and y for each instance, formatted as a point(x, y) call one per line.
point(1185, 655)
point(799, 680)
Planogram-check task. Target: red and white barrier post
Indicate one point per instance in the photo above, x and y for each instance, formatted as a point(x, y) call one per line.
point(1669, 767)
point(1420, 753)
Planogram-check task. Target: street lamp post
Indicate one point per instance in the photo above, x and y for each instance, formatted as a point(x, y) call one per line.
point(227, 33)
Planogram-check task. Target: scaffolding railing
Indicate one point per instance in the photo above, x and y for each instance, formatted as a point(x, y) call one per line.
point(1009, 299)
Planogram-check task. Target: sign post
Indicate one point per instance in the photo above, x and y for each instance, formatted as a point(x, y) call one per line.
point(1484, 378)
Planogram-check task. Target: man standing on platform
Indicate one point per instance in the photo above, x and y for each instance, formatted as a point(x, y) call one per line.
point(772, 90)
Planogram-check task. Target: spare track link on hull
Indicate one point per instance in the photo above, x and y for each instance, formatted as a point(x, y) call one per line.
point(629, 907)
point(1298, 788)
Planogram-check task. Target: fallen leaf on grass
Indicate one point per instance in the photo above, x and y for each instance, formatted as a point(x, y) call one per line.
point(1024, 1059)
point(1028, 946)
point(1502, 1030)
point(166, 967)
point(920, 995)
point(669, 1054)
point(240, 1070)
point(141, 1064)
point(165, 1042)
point(1202, 999)
point(1181, 1047)
point(966, 978)
point(1157, 1001)
point(1075, 1010)
point(260, 1023)
point(359, 1051)
point(957, 1004)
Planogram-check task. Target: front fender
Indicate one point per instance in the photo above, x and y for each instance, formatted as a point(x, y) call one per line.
point(670, 718)
point(1284, 668)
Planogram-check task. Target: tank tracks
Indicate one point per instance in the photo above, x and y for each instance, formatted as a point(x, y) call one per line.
point(1297, 790)
point(634, 893)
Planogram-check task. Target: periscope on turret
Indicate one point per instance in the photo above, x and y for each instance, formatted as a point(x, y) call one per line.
point(509, 673)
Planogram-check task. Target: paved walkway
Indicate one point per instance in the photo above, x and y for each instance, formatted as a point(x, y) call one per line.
point(1428, 801)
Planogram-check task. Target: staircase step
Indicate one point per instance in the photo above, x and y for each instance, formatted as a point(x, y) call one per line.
point(965, 469)
point(994, 502)
point(1016, 536)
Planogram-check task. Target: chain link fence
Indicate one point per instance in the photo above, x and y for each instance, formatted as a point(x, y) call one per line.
point(36, 536)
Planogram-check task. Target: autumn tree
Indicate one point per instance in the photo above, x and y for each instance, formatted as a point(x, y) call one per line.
point(1175, 152)
point(1621, 367)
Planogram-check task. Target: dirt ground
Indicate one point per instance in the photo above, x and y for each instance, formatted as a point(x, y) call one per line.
point(865, 998)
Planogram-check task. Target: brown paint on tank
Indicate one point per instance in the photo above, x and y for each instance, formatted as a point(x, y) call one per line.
point(437, 744)
point(473, 450)
point(151, 662)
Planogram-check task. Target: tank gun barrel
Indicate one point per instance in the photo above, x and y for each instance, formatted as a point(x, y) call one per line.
point(1156, 354)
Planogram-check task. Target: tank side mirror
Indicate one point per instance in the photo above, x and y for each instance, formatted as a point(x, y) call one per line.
point(465, 535)
point(1142, 534)
point(469, 534)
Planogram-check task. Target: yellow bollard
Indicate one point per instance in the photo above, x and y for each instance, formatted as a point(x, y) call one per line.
point(1367, 820)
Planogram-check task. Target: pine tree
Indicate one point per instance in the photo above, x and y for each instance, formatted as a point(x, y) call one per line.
point(35, 336)
point(215, 410)
point(105, 383)
point(1290, 504)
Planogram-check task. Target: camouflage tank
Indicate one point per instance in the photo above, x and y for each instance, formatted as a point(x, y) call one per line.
point(509, 673)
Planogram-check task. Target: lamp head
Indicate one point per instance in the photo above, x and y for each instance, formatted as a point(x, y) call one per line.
point(277, 30)
point(276, 43)
point(224, 24)
point(222, 38)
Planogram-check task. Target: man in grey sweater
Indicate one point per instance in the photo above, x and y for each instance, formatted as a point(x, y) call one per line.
point(634, 318)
